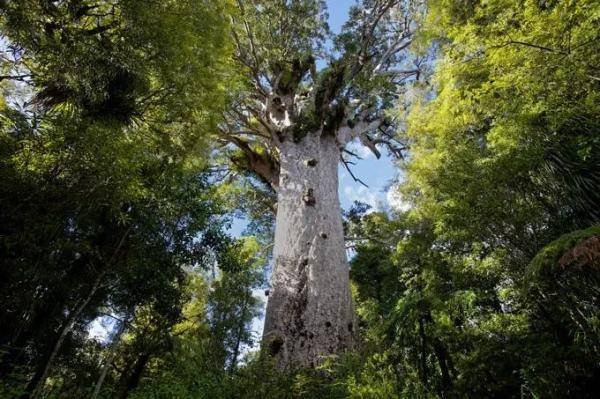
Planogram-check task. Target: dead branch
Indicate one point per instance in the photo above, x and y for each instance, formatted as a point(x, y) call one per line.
point(356, 179)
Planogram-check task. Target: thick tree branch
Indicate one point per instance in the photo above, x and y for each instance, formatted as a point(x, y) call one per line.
point(263, 164)
point(252, 67)
point(368, 33)
point(384, 60)
point(370, 144)
point(351, 130)
point(20, 78)
point(401, 72)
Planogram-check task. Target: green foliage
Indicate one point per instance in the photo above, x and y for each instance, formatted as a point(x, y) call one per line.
point(205, 346)
point(562, 293)
point(486, 288)
point(103, 121)
point(120, 59)
point(514, 117)
point(300, 30)
point(456, 303)
point(467, 294)
point(549, 260)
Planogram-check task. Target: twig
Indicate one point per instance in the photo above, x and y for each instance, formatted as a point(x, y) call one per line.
point(356, 179)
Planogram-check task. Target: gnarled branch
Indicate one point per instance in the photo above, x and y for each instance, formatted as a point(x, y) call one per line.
point(263, 164)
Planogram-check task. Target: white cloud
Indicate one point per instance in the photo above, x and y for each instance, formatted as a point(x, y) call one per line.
point(101, 328)
point(395, 200)
point(365, 195)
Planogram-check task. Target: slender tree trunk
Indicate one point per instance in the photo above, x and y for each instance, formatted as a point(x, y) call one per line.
point(443, 360)
point(37, 319)
point(423, 357)
point(37, 382)
point(309, 311)
point(132, 380)
point(109, 359)
point(238, 338)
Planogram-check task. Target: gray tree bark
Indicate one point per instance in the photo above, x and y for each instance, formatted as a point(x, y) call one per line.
point(310, 313)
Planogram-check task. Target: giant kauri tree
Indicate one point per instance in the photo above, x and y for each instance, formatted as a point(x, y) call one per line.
point(306, 95)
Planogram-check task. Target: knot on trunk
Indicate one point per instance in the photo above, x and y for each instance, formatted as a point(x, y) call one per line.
point(308, 197)
point(311, 162)
point(278, 110)
point(275, 346)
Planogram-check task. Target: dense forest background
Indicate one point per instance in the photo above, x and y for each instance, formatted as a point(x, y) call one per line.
point(116, 200)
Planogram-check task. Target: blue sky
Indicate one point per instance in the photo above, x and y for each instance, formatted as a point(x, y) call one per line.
point(338, 13)
point(376, 173)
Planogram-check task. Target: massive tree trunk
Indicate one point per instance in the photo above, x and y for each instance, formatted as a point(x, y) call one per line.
point(309, 311)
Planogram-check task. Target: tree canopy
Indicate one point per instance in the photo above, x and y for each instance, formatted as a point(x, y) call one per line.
point(132, 132)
